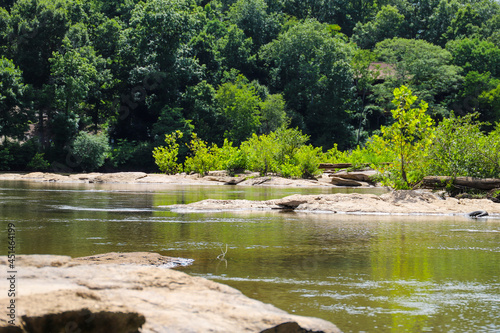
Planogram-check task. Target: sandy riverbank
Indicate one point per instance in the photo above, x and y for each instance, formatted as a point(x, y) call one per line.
point(135, 292)
point(357, 179)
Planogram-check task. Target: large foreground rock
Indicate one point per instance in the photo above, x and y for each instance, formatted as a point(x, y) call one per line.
point(60, 294)
point(396, 202)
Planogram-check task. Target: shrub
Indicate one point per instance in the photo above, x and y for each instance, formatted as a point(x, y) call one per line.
point(38, 163)
point(308, 159)
point(203, 157)
point(166, 157)
point(90, 150)
point(5, 159)
point(460, 148)
point(230, 158)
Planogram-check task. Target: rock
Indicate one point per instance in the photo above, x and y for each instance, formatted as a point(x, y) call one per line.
point(344, 182)
point(396, 202)
point(220, 173)
point(129, 297)
point(39, 260)
point(226, 180)
point(138, 258)
point(120, 177)
point(362, 176)
point(293, 201)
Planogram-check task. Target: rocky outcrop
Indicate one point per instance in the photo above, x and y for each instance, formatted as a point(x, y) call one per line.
point(396, 202)
point(60, 294)
point(338, 181)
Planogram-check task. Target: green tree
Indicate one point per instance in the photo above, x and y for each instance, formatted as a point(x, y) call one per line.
point(407, 140)
point(424, 67)
point(310, 64)
point(14, 113)
point(475, 55)
point(90, 150)
point(252, 17)
point(386, 24)
point(239, 105)
point(273, 113)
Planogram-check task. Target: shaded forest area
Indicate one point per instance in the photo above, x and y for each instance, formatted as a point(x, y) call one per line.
point(114, 77)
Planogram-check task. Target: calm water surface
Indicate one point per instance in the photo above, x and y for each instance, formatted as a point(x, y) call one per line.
point(363, 273)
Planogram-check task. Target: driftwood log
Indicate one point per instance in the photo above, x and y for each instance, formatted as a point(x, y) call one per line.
point(476, 183)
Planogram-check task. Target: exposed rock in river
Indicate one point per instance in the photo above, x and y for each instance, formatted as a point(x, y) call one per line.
point(396, 202)
point(60, 294)
point(213, 177)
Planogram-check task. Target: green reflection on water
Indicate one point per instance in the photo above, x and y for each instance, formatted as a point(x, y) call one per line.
point(364, 273)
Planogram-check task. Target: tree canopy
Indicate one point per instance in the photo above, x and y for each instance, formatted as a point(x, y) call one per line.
point(135, 71)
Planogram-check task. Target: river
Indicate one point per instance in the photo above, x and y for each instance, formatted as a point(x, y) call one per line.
point(365, 273)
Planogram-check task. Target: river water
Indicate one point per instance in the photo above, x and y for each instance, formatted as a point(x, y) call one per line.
point(364, 273)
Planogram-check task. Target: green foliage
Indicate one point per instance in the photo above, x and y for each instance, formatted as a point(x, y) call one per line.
point(460, 148)
point(239, 104)
point(282, 152)
point(166, 156)
point(5, 159)
point(141, 69)
point(14, 118)
point(475, 55)
point(312, 69)
point(407, 140)
point(423, 67)
point(38, 163)
point(203, 157)
point(386, 25)
point(230, 158)
point(273, 113)
point(90, 150)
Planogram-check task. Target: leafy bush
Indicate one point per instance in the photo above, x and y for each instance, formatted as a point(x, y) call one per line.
point(132, 155)
point(460, 148)
point(38, 163)
point(307, 160)
point(5, 159)
point(166, 157)
point(230, 158)
point(21, 154)
point(260, 152)
point(90, 150)
point(203, 157)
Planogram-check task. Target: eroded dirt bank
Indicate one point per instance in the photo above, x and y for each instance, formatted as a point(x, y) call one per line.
point(396, 202)
point(134, 293)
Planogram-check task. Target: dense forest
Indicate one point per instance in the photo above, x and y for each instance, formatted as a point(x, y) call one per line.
point(125, 73)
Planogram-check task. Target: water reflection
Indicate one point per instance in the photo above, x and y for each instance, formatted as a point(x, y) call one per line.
point(364, 273)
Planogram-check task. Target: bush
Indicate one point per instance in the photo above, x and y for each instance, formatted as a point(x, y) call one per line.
point(460, 148)
point(166, 157)
point(90, 150)
point(5, 159)
point(38, 163)
point(203, 157)
point(132, 156)
point(230, 158)
point(21, 154)
point(308, 159)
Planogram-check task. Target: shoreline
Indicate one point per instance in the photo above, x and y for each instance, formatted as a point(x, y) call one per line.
point(213, 178)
